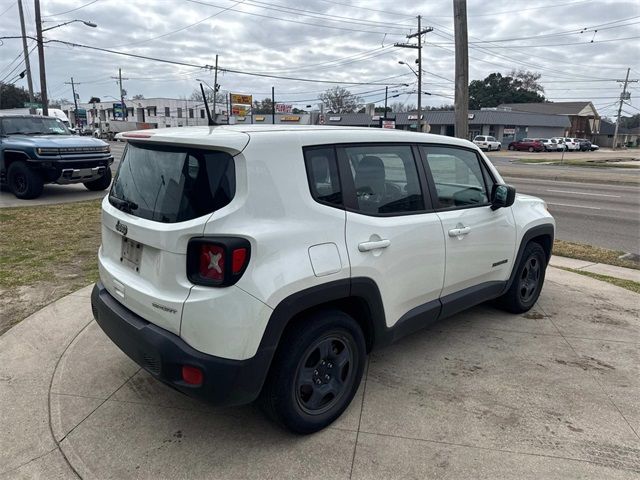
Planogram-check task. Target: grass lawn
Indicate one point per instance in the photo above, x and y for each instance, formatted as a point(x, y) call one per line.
point(46, 252)
point(589, 253)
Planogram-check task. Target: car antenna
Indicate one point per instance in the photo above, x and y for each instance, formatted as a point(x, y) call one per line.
point(211, 123)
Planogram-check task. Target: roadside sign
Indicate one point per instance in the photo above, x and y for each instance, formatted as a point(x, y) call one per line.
point(283, 108)
point(32, 105)
point(241, 99)
point(118, 111)
point(388, 123)
point(241, 110)
point(290, 118)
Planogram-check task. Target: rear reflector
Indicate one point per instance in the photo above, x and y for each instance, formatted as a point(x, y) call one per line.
point(192, 375)
point(239, 258)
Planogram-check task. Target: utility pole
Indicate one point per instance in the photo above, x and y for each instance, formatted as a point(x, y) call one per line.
point(273, 105)
point(75, 101)
point(122, 105)
point(386, 94)
point(462, 68)
point(623, 96)
point(215, 89)
point(43, 75)
point(418, 35)
point(26, 56)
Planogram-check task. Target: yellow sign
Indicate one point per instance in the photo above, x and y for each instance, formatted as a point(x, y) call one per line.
point(241, 110)
point(290, 118)
point(259, 118)
point(241, 99)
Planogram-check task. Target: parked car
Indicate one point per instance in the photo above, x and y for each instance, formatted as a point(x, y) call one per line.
point(584, 144)
point(594, 147)
point(244, 262)
point(569, 144)
point(528, 144)
point(35, 150)
point(487, 143)
point(549, 144)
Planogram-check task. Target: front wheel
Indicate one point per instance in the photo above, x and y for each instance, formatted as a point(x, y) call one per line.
point(527, 284)
point(314, 377)
point(24, 182)
point(101, 183)
point(531, 149)
point(511, 147)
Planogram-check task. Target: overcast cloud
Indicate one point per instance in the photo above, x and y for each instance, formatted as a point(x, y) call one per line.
point(359, 47)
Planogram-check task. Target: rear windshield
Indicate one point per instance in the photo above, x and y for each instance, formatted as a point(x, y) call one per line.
point(172, 184)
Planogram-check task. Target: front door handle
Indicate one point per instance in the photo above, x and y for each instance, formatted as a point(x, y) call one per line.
point(458, 232)
point(374, 245)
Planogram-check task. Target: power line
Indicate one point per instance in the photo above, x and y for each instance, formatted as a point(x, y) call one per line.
point(72, 10)
point(7, 9)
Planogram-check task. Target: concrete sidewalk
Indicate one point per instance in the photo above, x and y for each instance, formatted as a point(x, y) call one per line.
point(549, 394)
point(599, 268)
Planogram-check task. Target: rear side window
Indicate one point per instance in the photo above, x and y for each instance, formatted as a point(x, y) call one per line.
point(385, 178)
point(459, 177)
point(171, 185)
point(322, 173)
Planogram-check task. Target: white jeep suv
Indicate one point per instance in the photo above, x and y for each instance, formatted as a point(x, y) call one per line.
point(253, 262)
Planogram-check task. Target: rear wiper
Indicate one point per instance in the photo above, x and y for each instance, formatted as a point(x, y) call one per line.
point(126, 206)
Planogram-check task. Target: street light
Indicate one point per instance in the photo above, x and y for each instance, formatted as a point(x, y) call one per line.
point(88, 24)
point(409, 67)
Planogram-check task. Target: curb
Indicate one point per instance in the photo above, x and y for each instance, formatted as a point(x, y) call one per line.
point(621, 273)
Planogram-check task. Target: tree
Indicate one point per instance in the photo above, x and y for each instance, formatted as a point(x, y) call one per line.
point(377, 110)
point(529, 80)
point(221, 98)
point(94, 100)
point(443, 107)
point(399, 107)
point(262, 106)
point(14, 97)
point(339, 100)
point(138, 96)
point(630, 122)
point(496, 89)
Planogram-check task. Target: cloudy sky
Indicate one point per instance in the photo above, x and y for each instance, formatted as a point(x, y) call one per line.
point(580, 47)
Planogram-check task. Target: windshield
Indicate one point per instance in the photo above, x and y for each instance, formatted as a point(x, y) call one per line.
point(173, 184)
point(33, 126)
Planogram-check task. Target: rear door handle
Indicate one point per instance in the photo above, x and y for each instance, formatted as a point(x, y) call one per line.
point(368, 246)
point(458, 232)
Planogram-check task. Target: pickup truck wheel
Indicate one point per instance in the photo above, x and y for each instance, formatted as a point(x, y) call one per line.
point(24, 182)
point(527, 284)
point(101, 183)
point(313, 380)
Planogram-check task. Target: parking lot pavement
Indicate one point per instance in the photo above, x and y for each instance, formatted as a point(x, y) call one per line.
point(549, 394)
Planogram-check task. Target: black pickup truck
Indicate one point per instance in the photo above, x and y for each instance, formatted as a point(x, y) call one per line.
point(35, 150)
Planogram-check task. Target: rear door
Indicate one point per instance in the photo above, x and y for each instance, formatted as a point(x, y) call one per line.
point(479, 241)
point(392, 235)
point(161, 197)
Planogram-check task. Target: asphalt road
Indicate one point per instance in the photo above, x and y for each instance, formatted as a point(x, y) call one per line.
point(601, 215)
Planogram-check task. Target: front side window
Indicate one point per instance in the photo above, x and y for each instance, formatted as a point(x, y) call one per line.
point(322, 173)
point(385, 178)
point(458, 176)
point(172, 185)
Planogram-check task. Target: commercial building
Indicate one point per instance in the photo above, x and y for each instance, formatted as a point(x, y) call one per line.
point(583, 116)
point(626, 137)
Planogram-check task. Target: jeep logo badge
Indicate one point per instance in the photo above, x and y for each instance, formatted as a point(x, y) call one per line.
point(122, 228)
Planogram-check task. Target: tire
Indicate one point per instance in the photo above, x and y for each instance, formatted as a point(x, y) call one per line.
point(307, 389)
point(531, 149)
point(499, 147)
point(511, 147)
point(24, 182)
point(101, 183)
point(528, 281)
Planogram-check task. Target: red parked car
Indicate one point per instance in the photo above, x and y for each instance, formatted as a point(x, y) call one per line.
point(527, 144)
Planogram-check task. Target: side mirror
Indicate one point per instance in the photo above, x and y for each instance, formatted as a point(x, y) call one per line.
point(502, 196)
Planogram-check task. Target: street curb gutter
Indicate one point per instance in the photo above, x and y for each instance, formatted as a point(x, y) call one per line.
point(621, 273)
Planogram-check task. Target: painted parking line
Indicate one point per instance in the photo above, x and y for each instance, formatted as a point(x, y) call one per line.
point(573, 206)
point(584, 193)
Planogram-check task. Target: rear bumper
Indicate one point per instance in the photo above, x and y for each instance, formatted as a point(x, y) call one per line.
point(162, 354)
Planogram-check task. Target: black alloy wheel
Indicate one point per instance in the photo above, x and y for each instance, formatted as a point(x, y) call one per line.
point(324, 374)
point(529, 279)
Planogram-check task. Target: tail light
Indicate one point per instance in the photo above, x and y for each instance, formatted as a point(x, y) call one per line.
point(217, 261)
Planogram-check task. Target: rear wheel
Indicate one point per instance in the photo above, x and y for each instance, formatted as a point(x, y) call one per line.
point(313, 380)
point(527, 284)
point(24, 182)
point(531, 149)
point(101, 183)
point(511, 147)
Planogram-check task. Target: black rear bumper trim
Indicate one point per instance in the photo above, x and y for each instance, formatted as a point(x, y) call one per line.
point(162, 354)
